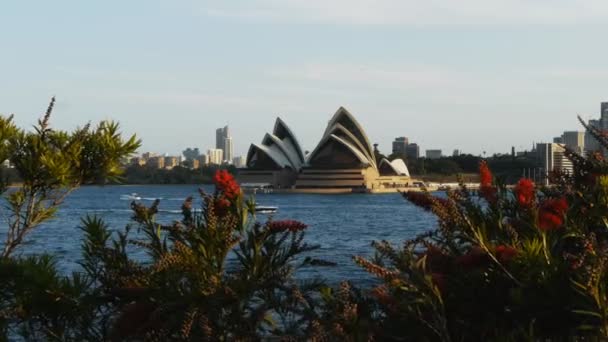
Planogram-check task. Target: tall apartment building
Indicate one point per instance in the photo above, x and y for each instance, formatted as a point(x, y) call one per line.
point(223, 141)
point(591, 145)
point(228, 150)
point(574, 141)
point(552, 158)
point(400, 145)
point(216, 156)
point(412, 151)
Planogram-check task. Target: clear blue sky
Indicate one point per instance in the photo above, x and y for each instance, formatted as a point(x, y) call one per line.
point(477, 75)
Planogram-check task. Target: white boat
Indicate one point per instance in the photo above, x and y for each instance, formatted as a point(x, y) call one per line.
point(132, 197)
point(263, 188)
point(265, 209)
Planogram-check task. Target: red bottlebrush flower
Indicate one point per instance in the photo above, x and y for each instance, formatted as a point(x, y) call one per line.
point(486, 190)
point(504, 254)
point(525, 192)
point(286, 225)
point(476, 257)
point(551, 213)
point(485, 175)
point(225, 182)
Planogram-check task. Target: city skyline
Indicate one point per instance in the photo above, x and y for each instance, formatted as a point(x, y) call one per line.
point(498, 73)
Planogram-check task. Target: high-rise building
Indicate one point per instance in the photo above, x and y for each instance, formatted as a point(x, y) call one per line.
point(223, 141)
point(552, 158)
point(592, 145)
point(433, 154)
point(574, 141)
point(412, 151)
point(216, 156)
point(400, 145)
point(220, 135)
point(456, 153)
point(228, 149)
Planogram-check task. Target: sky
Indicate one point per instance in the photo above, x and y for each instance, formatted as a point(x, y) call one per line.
point(473, 75)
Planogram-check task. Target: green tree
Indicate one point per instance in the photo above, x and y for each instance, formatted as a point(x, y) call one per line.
point(35, 301)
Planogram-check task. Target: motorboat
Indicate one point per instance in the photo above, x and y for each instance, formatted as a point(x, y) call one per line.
point(131, 197)
point(265, 209)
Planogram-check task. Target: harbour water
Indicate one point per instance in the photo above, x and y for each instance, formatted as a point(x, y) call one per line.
point(342, 225)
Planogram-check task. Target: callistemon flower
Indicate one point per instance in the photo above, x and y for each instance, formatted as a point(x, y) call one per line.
point(486, 190)
point(225, 183)
point(485, 175)
point(525, 192)
point(505, 253)
point(286, 225)
point(551, 213)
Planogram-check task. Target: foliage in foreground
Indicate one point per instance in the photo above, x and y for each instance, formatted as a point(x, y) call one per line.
point(523, 264)
point(528, 263)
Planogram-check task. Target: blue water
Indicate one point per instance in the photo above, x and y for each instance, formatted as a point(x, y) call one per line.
point(343, 225)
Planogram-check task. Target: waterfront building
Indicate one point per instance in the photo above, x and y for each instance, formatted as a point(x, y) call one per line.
point(223, 141)
point(400, 146)
point(239, 161)
point(591, 144)
point(228, 150)
point(433, 154)
point(171, 162)
point(552, 158)
point(216, 156)
point(574, 141)
point(342, 161)
point(276, 161)
point(157, 162)
point(412, 151)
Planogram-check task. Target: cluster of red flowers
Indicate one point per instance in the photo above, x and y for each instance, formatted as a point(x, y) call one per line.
point(486, 190)
point(551, 213)
point(504, 254)
point(525, 192)
point(286, 225)
point(225, 182)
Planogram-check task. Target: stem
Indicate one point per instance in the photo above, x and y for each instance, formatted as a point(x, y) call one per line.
point(544, 235)
point(489, 253)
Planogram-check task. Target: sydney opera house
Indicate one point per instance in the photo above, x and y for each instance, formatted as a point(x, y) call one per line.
point(343, 161)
